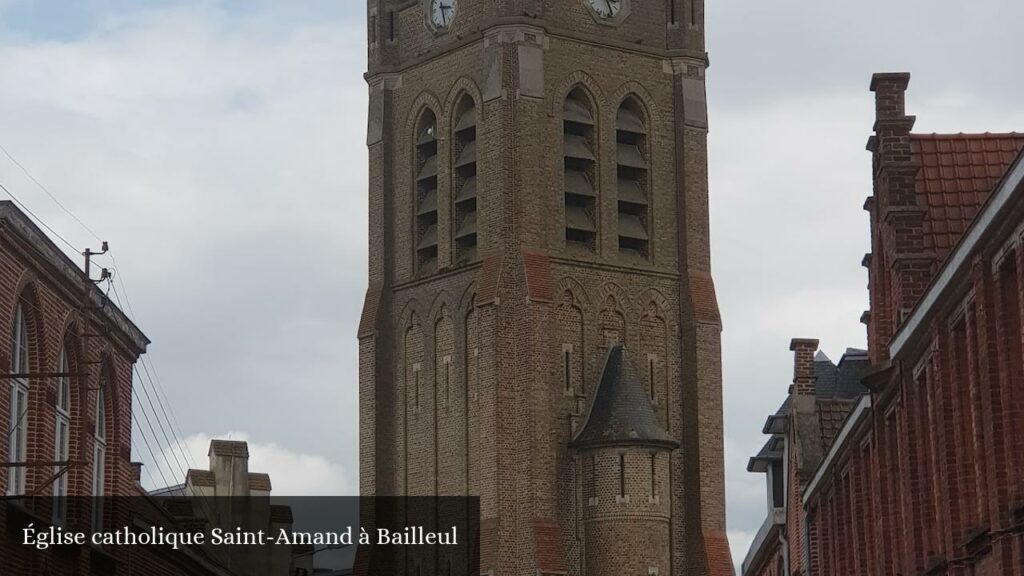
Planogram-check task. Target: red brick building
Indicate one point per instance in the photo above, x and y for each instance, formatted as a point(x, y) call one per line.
point(801, 432)
point(926, 473)
point(67, 358)
point(66, 364)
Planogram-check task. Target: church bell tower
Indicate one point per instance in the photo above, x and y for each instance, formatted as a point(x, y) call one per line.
point(540, 327)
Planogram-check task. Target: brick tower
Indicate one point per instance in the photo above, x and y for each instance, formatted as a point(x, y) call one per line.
point(539, 225)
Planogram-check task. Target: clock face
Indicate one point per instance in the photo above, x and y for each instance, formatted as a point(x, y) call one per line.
point(606, 9)
point(442, 12)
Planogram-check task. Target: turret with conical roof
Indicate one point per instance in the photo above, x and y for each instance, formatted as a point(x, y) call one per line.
point(621, 413)
point(624, 453)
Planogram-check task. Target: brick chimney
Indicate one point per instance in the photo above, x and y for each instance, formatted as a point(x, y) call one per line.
point(899, 268)
point(803, 350)
point(804, 424)
point(137, 472)
point(229, 463)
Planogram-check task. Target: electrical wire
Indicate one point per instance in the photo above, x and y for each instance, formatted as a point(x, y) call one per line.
point(113, 259)
point(48, 193)
point(37, 218)
point(178, 443)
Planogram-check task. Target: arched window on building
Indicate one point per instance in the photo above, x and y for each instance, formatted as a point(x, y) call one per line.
point(464, 181)
point(99, 451)
point(580, 161)
point(426, 193)
point(18, 417)
point(62, 437)
point(633, 186)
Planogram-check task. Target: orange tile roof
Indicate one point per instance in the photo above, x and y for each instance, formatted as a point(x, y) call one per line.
point(958, 171)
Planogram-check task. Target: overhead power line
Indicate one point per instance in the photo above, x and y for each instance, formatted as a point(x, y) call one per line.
point(173, 426)
point(48, 193)
point(37, 218)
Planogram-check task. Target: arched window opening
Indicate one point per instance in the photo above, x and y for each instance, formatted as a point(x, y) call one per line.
point(580, 171)
point(99, 454)
point(62, 437)
point(426, 193)
point(464, 181)
point(18, 416)
point(633, 174)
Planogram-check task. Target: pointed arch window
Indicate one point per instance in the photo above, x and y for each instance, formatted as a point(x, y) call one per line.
point(426, 193)
point(18, 416)
point(632, 168)
point(62, 437)
point(464, 174)
point(99, 453)
point(580, 163)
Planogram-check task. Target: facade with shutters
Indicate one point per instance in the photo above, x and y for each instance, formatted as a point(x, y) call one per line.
point(539, 210)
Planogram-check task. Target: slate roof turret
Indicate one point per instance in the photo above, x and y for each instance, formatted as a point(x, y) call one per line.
point(621, 413)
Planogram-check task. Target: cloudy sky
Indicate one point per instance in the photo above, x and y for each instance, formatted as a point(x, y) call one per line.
point(218, 146)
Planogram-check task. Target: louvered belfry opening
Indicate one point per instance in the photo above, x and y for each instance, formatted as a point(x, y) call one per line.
point(464, 181)
point(632, 168)
point(580, 171)
point(426, 193)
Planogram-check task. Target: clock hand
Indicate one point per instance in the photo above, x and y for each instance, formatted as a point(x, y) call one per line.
point(609, 4)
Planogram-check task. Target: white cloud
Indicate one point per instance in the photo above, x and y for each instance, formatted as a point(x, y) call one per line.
point(222, 154)
point(291, 473)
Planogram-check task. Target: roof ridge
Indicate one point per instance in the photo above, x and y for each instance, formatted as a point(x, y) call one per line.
point(965, 135)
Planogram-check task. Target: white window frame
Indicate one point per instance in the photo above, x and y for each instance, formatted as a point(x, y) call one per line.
point(62, 439)
point(17, 432)
point(99, 454)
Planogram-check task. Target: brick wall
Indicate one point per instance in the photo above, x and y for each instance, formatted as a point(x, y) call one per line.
point(101, 347)
point(929, 483)
point(52, 305)
point(508, 318)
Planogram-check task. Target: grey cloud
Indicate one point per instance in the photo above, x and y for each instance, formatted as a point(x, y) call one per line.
point(223, 157)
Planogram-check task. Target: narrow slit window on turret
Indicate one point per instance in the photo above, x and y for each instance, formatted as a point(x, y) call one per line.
point(426, 193)
point(632, 168)
point(567, 366)
point(447, 382)
point(654, 474)
point(580, 161)
point(651, 360)
point(622, 475)
point(416, 386)
point(464, 183)
point(591, 479)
